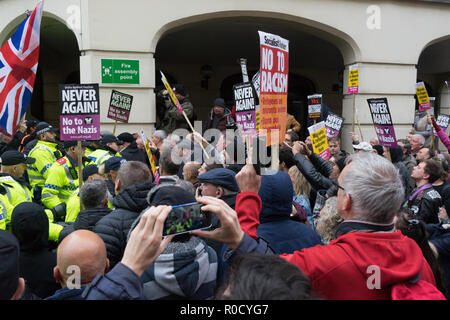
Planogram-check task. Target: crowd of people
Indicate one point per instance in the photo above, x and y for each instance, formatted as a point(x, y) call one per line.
point(368, 223)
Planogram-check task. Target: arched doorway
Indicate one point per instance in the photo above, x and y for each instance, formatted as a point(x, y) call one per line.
point(58, 63)
point(315, 63)
point(433, 69)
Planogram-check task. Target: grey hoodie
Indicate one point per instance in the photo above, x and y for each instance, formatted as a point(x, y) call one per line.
point(185, 270)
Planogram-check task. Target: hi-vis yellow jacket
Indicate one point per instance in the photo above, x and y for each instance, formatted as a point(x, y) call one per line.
point(45, 154)
point(60, 184)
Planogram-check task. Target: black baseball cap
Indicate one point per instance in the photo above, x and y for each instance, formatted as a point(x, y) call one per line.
point(179, 88)
point(114, 163)
point(108, 138)
point(31, 123)
point(43, 127)
point(13, 157)
point(89, 171)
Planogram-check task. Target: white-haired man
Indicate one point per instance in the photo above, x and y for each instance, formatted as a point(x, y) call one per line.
point(367, 258)
point(417, 142)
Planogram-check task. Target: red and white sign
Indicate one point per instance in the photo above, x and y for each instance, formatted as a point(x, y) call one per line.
point(274, 73)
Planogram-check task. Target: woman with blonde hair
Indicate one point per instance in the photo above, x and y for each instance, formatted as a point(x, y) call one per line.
point(302, 189)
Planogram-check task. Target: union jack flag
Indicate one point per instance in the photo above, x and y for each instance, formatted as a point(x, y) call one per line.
point(18, 65)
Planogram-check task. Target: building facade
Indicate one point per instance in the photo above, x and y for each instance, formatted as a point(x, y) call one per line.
point(198, 43)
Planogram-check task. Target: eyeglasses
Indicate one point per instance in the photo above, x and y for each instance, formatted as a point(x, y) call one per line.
point(336, 184)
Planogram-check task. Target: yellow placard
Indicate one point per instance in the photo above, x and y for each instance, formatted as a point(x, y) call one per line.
point(171, 93)
point(353, 79)
point(319, 140)
point(422, 94)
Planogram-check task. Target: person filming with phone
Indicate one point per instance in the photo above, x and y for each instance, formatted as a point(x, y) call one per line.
point(187, 268)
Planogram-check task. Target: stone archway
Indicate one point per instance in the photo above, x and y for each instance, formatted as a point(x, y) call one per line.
point(317, 52)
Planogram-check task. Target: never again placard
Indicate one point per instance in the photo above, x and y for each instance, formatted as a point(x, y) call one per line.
point(333, 124)
point(80, 112)
point(442, 121)
point(120, 106)
point(382, 121)
point(244, 100)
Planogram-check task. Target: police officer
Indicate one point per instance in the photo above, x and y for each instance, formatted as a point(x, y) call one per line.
point(15, 189)
point(46, 153)
point(62, 179)
point(109, 147)
point(3, 212)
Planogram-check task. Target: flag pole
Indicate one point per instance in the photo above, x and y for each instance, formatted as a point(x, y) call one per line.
point(80, 167)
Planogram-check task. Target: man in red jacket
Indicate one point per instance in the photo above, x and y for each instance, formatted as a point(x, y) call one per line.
point(368, 256)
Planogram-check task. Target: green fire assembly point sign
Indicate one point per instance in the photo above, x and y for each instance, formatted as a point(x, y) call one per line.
point(120, 71)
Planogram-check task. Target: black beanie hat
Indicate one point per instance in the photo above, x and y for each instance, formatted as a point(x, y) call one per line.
point(9, 265)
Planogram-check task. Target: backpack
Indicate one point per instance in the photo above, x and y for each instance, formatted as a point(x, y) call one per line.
point(419, 290)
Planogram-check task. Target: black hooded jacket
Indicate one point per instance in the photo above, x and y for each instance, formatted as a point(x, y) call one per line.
point(114, 227)
point(396, 158)
point(133, 153)
point(29, 224)
point(85, 220)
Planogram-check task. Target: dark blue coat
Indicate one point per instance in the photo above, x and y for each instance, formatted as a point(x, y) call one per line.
point(440, 237)
point(283, 234)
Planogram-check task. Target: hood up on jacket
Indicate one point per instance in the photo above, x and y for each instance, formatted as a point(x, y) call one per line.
point(133, 198)
point(276, 193)
point(165, 194)
point(186, 270)
point(29, 224)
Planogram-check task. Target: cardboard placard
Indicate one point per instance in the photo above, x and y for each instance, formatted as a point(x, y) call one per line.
point(120, 106)
point(353, 79)
point(442, 121)
point(314, 106)
point(319, 140)
point(79, 112)
point(422, 97)
point(382, 122)
point(274, 73)
point(333, 124)
point(244, 99)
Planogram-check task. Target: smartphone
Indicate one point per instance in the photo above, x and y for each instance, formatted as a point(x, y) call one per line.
point(185, 218)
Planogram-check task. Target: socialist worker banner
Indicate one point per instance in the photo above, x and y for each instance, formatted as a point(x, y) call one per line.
point(274, 71)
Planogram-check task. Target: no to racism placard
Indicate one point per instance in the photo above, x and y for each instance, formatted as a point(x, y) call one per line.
point(80, 112)
point(353, 79)
point(120, 106)
point(244, 100)
point(319, 140)
point(382, 122)
point(422, 97)
point(274, 70)
point(314, 106)
point(333, 124)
